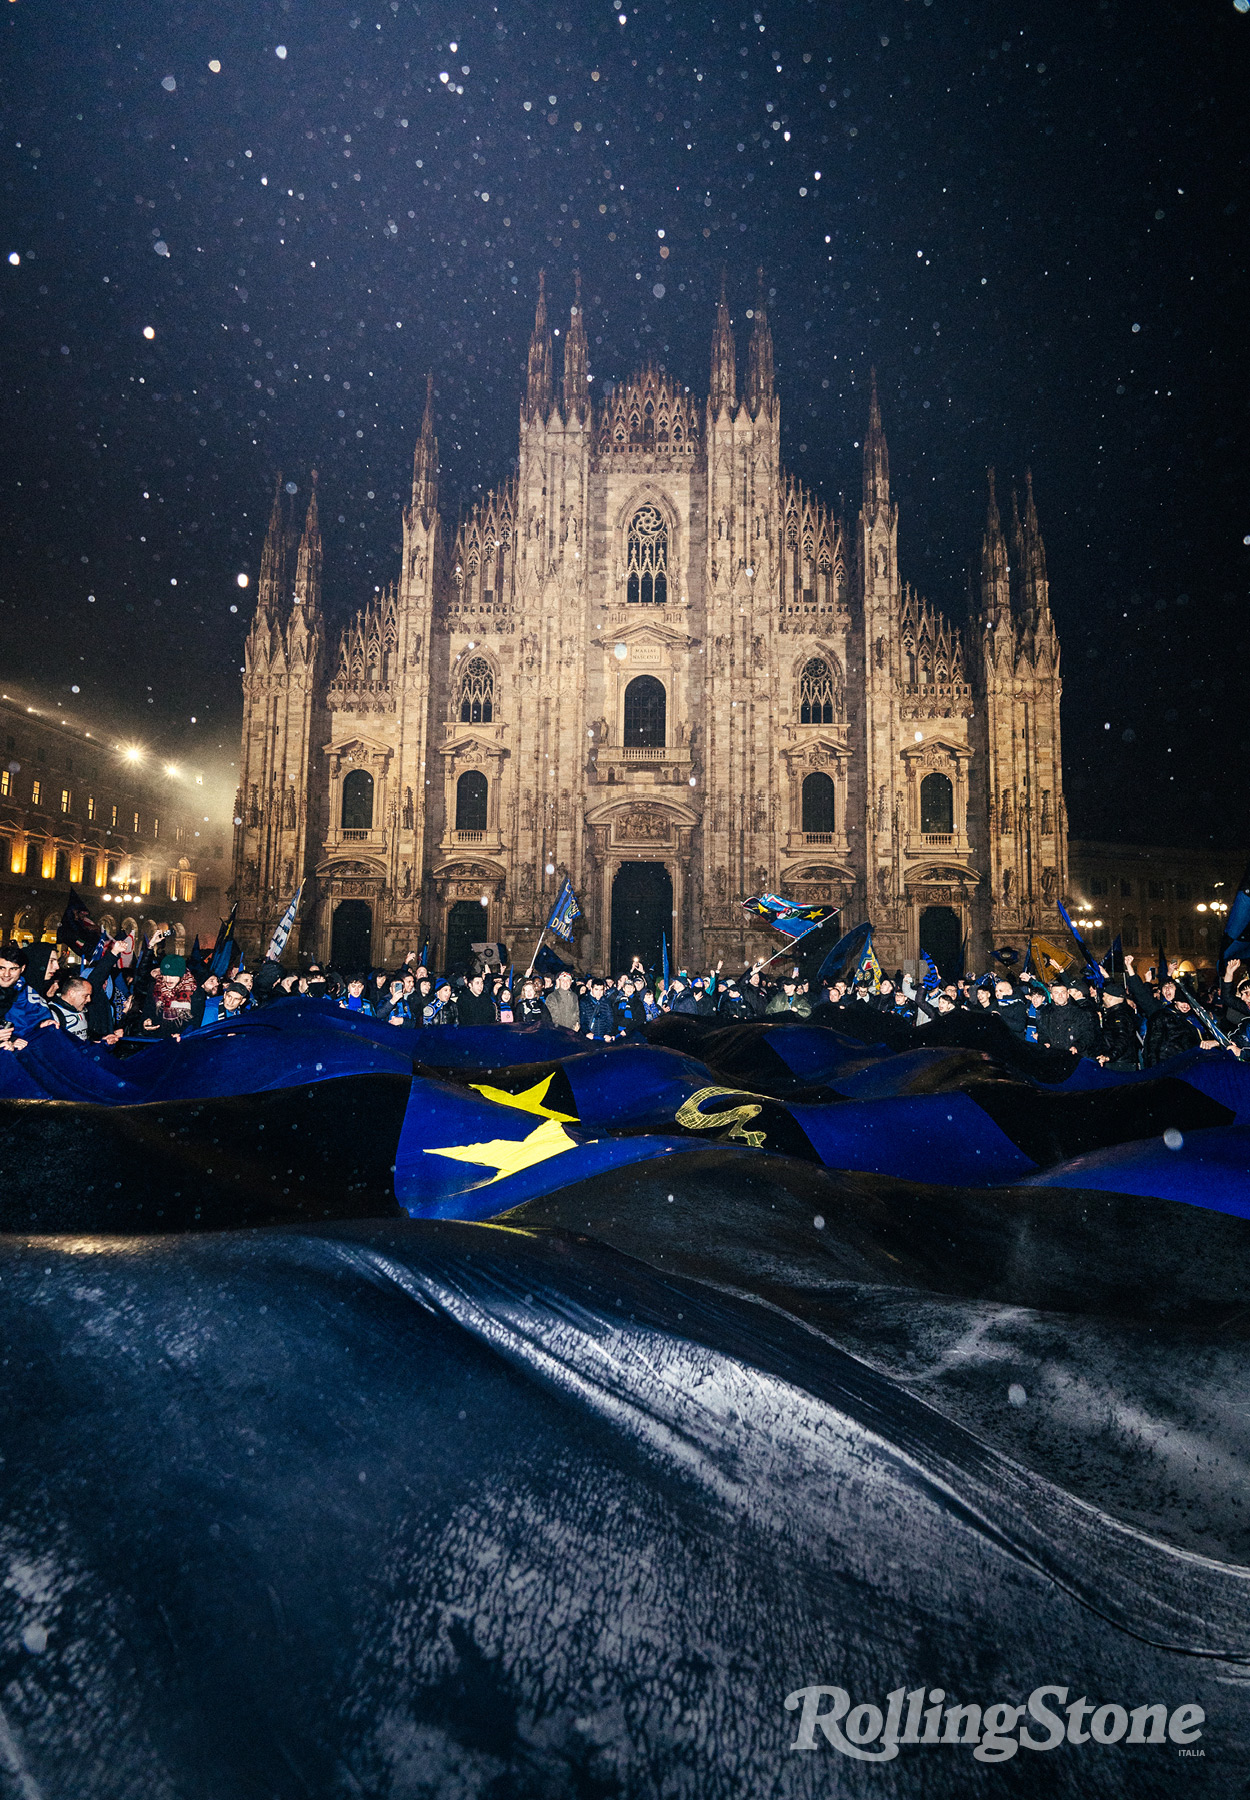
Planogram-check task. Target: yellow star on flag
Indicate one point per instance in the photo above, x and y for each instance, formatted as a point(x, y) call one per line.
point(508, 1156)
point(530, 1100)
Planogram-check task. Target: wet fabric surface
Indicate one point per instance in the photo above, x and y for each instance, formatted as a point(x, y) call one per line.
point(563, 1486)
point(431, 1508)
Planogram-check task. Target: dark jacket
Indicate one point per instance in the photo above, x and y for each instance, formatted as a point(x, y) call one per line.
point(1169, 1033)
point(631, 1010)
point(755, 998)
point(200, 1002)
point(734, 1005)
point(1069, 1027)
point(476, 1009)
point(1014, 1013)
point(1119, 1036)
point(598, 1017)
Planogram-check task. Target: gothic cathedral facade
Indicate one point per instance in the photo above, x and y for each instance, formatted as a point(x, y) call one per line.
point(655, 664)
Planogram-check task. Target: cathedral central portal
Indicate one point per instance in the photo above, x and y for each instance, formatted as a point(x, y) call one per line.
point(642, 914)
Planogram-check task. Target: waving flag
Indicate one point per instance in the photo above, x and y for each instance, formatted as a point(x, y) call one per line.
point(932, 979)
point(223, 945)
point(790, 917)
point(844, 959)
point(546, 962)
point(277, 943)
point(1092, 970)
point(565, 913)
point(78, 929)
point(1235, 940)
point(1050, 956)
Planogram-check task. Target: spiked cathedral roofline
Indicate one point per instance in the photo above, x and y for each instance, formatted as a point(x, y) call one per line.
point(649, 531)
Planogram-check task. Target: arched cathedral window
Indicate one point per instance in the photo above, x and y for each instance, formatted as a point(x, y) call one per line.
point(816, 693)
point(647, 566)
point(646, 707)
point(477, 693)
point(937, 803)
point(357, 812)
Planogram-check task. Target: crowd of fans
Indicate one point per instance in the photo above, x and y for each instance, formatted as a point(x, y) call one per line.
point(1123, 1021)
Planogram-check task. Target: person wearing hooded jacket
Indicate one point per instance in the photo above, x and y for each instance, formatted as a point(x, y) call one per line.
point(1120, 1043)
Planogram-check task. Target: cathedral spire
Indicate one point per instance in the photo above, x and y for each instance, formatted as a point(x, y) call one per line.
point(576, 379)
point(538, 380)
point(995, 575)
point(759, 394)
point(308, 560)
point(876, 457)
point(269, 589)
point(723, 391)
point(425, 461)
point(1036, 583)
point(1015, 553)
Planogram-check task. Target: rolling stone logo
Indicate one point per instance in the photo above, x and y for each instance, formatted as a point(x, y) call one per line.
point(993, 1733)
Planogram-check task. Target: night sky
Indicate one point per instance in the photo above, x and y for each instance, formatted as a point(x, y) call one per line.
point(1030, 219)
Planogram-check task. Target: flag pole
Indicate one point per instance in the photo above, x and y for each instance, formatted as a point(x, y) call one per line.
point(537, 947)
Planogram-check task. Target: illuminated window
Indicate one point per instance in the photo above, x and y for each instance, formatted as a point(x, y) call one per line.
point(135, 826)
point(156, 829)
point(36, 793)
point(112, 815)
point(6, 782)
point(64, 800)
point(91, 807)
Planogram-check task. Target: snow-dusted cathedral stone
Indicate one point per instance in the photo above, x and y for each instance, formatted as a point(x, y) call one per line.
point(654, 663)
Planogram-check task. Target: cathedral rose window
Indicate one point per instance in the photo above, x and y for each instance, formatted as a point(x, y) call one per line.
point(647, 566)
point(477, 693)
point(816, 693)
